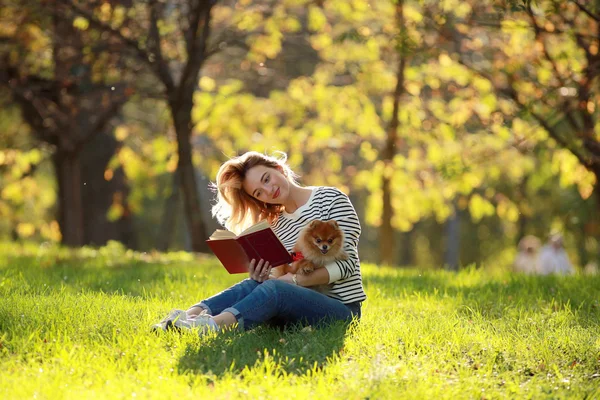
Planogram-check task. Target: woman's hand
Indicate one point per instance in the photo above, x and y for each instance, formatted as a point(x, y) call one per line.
point(259, 272)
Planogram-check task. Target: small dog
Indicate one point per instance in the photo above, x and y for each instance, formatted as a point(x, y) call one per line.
point(320, 243)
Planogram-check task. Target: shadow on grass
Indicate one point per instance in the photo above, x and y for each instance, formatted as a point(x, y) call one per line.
point(293, 350)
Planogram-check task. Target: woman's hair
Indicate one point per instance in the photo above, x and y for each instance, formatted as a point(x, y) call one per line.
point(236, 209)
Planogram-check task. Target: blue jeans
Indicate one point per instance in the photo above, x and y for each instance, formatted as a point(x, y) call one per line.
point(281, 303)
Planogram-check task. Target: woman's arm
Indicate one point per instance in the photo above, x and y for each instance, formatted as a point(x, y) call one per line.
point(319, 276)
point(342, 211)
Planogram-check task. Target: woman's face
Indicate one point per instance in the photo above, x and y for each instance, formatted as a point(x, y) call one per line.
point(266, 184)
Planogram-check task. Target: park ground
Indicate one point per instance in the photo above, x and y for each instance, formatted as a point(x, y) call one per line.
point(75, 324)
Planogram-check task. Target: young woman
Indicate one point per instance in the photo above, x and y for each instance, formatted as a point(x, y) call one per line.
point(253, 187)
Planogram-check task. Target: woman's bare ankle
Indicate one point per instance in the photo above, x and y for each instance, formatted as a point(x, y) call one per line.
point(193, 312)
point(225, 319)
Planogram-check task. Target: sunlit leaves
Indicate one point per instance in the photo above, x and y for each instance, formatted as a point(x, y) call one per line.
point(12, 192)
point(321, 42)
point(50, 230)
point(571, 172)
point(376, 78)
point(25, 229)
point(265, 46)
point(121, 133)
point(367, 152)
point(507, 210)
point(480, 207)
point(486, 106)
point(144, 162)
point(117, 209)
point(249, 20)
point(231, 87)
point(520, 35)
point(207, 84)
point(81, 23)
point(131, 162)
point(316, 19)
point(34, 38)
point(105, 12)
point(440, 159)
point(25, 202)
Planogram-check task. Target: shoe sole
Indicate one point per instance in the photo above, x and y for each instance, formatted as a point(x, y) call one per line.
point(170, 326)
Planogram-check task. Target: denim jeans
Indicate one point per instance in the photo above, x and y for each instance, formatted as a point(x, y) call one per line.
point(277, 302)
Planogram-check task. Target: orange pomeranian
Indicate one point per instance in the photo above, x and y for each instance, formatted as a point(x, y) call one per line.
point(320, 243)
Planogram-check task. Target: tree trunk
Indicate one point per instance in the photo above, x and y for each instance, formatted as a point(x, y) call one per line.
point(68, 173)
point(386, 231)
point(581, 247)
point(596, 170)
point(189, 187)
point(180, 99)
point(407, 249)
point(167, 223)
point(98, 194)
point(523, 219)
point(452, 253)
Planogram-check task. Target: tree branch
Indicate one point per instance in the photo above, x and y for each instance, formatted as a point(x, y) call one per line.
point(555, 31)
point(106, 28)
point(512, 94)
point(194, 17)
point(540, 39)
point(585, 10)
point(34, 110)
point(162, 68)
point(100, 123)
point(551, 130)
point(221, 45)
point(197, 45)
point(142, 53)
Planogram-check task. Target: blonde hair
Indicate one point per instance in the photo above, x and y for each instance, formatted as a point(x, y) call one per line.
point(236, 209)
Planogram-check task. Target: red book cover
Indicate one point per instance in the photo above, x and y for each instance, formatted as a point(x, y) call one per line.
point(258, 241)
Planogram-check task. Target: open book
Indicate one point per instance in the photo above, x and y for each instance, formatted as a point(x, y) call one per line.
point(258, 241)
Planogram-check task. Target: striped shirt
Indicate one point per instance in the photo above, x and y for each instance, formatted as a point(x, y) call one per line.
point(326, 203)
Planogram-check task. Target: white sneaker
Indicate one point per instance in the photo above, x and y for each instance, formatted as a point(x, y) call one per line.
point(169, 322)
point(204, 323)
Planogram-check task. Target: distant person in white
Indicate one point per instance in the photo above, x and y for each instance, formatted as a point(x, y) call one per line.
point(553, 258)
point(526, 259)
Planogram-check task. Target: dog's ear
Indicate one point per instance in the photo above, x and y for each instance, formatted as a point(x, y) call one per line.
point(314, 223)
point(333, 223)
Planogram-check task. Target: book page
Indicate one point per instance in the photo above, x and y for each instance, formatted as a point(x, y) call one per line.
point(256, 227)
point(221, 234)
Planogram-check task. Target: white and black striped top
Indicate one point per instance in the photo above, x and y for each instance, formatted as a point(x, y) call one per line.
point(327, 203)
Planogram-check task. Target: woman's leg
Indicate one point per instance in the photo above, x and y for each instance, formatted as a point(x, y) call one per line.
point(284, 301)
point(214, 305)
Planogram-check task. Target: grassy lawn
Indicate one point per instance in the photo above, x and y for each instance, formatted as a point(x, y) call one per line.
point(76, 325)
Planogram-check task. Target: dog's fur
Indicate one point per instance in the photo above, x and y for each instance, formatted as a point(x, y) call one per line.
point(321, 243)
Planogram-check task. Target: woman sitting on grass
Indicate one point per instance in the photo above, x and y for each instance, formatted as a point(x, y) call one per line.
point(253, 187)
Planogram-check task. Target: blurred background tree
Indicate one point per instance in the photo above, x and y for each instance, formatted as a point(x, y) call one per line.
point(457, 127)
point(68, 88)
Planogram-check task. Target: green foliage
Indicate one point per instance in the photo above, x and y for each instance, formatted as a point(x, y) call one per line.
point(147, 156)
point(315, 79)
point(27, 188)
point(76, 324)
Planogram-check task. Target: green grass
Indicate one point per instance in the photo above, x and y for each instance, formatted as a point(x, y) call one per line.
point(75, 324)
